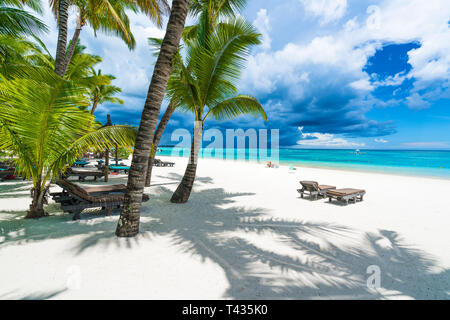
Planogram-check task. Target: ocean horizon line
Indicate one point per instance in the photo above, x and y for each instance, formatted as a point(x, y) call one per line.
point(325, 149)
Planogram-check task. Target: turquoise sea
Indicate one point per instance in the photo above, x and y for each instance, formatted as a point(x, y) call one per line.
point(404, 162)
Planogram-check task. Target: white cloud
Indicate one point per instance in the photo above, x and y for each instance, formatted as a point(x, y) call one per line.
point(362, 84)
point(266, 69)
point(325, 140)
point(326, 10)
point(416, 102)
point(392, 22)
point(262, 23)
point(350, 47)
point(339, 55)
point(395, 80)
point(381, 141)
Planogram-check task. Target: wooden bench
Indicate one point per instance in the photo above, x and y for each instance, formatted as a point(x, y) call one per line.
point(74, 198)
point(314, 189)
point(346, 195)
point(119, 168)
point(83, 174)
point(7, 172)
point(159, 163)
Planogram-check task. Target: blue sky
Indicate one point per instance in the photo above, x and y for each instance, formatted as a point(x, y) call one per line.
point(330, 73)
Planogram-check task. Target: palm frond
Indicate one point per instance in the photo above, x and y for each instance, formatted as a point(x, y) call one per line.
point(97, 140)
point(16, 22)
point(223, 62)
point(154, 9)
point(220, 8)
point(155, 45)
point(190, 33)
point(237, 106)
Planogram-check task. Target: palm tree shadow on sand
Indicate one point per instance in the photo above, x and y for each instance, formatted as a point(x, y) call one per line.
point(306, 262)
point(211, 227)
point(14, 189)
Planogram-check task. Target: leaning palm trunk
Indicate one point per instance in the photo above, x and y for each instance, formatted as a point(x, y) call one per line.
point(158, 134)
point(73, 44)
point(183, 192)
point(94, 106)
point(63, 13)
point(128, 225)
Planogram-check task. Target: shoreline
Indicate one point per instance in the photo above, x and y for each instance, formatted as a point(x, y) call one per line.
point(283, 163)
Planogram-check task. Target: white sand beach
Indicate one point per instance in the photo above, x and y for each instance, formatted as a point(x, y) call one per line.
point(244, 234)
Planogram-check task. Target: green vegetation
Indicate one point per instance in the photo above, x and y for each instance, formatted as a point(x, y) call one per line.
point(15, 21)
point(45, 119)
point(42, 124)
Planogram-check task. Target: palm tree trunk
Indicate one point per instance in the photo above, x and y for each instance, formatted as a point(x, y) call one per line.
point(117, 155)
point(106, 165)
point(60, 59)
point(128, 225)
point(108, 124)
point(183, 192)
point(37, 204)
point(94, 106)
point(158, 134)
point(73, 44)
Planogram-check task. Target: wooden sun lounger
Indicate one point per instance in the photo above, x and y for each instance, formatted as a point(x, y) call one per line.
point(7, 172)
point(159, 163)
point(314, 189)
point(346, 195)
point(74, 198)
point(114, 168)
point(83, 174)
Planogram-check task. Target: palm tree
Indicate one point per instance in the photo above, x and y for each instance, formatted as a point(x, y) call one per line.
point(207, 86)
point(128, 225)
point(209, 13)
point(104, 93)
point(15, 21)
point(43, 126)
point(23, 58)
point(157, 138)
point(79, 69)
point(106, 15)
point(156, 45)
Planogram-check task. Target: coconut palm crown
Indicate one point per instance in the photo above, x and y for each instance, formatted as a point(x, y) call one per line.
point(206, 85)
point(107, 16)
point(102, 93)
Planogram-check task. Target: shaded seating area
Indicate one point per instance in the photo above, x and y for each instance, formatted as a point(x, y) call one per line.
point(314, 189)
point(100, 164)
point(346, 195)
point(75, 198)
point(80, 163)
point(160, 163)
point(83, 174)
point(5, 173)
point(119, 168)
